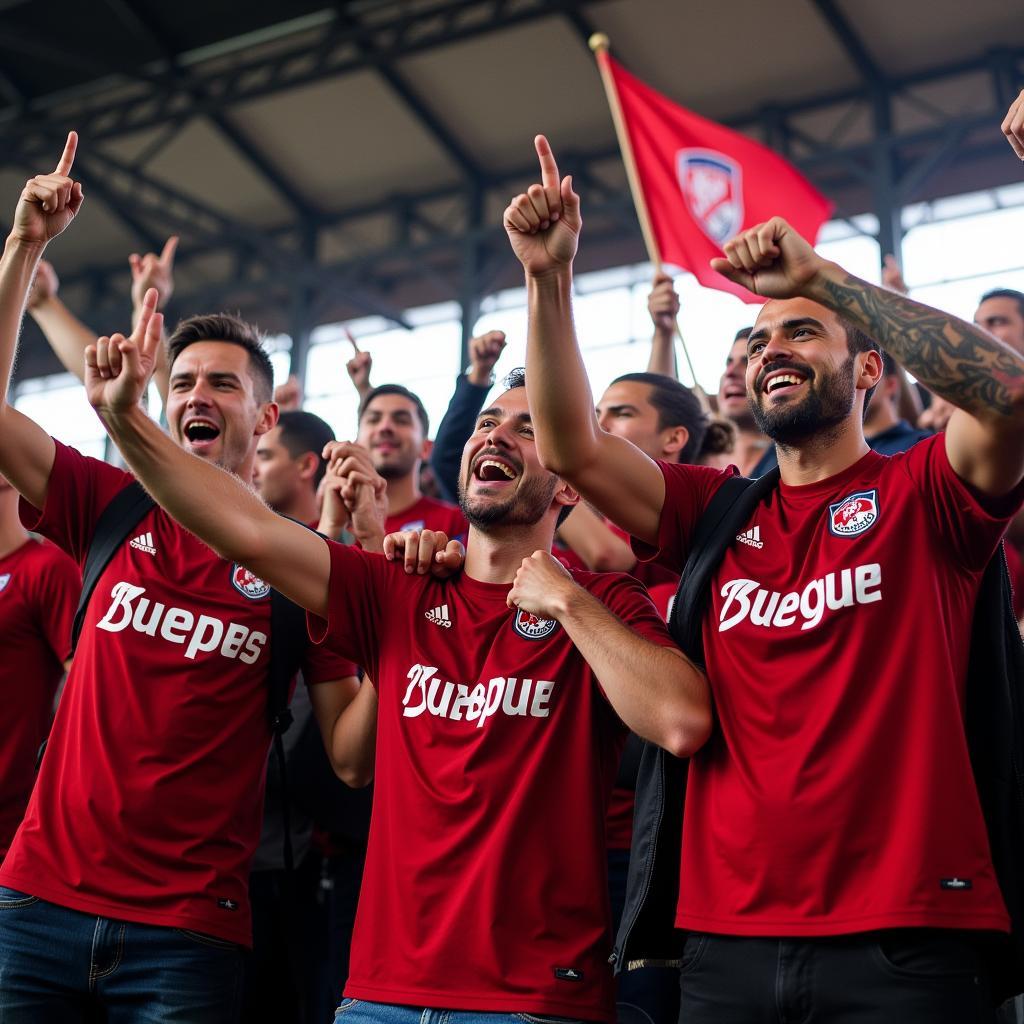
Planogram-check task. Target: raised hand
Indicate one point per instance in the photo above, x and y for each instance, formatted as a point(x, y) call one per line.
point(44, 285)
point(359, 366)
point(543, 223)
point(770, 259)
point(118, 369)
point(423, 551)
point(1013, 126)
point(484, 352)
point(542, 586)
point(49, 202)
point(892, 276)
point(152, 271)
point(288, 395)
point(663, 303)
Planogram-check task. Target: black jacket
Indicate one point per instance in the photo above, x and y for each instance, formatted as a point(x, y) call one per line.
point(995, 734)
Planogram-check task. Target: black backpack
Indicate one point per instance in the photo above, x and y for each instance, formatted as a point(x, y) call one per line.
point(288, 637)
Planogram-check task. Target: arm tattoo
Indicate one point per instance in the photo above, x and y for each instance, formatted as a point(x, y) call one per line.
point(954, 359)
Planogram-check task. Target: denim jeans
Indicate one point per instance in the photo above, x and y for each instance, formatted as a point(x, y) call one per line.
point(358, 1011)
point(60, 966)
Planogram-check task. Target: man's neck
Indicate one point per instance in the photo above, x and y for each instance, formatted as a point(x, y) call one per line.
point(495, 556)
point(404, 492)
point(824, 454)
point(12, 533)
point(750, 448)
point(303, 507)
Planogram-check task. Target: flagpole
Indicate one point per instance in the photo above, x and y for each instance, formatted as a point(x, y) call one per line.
point(600, 44)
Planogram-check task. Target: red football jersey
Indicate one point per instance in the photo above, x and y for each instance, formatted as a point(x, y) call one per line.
point(836, 793)
point(429, 514)
point(39, 588)
point(485, 886)
point(149, 800)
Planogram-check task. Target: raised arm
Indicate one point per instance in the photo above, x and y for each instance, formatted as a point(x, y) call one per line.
point(47, 206)
point(656, 691)
point(543, 226)
point(64, 332)
point(459, 420)
point(955, 360)
point(208, 501)
point(663, 305)
point(153, 271)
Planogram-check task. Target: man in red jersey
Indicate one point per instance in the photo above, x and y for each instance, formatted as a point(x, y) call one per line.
point(497, 737)
point(124, 892)
point(393, 428)
point(835, 862)
point(39, 588)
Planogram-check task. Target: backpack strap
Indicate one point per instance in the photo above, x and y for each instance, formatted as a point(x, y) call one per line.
point(123, 513)
point(729, 508)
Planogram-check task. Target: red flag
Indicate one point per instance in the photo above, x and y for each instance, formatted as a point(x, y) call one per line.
point(703, 183)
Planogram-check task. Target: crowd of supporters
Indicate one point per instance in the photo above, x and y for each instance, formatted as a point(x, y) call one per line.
point(404, 733)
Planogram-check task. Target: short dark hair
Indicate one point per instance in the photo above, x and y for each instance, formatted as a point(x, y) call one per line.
point(1005, 293)
point(677, 406)
point(857, 341)
point(403, 392)
point(517, 379)
point(742, 334)
point(303, 432)
point(226, 327)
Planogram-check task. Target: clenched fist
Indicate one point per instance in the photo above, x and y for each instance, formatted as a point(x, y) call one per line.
point(484, 352)
point(542, 586)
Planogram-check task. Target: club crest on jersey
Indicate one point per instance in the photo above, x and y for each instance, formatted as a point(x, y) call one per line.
point(414, 524)
point(4, 580)
point(248, 583)
point(712, 186)
point(856, 513)
point(533, 627)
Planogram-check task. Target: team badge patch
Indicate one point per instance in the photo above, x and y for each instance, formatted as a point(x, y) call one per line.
point(416, 524)
point(712, 186)
point(856, 513)
point(533, 627)
point(248, 583)
point(4, 580)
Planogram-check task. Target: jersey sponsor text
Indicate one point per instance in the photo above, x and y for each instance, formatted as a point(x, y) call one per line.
point(526, 698)
point(769, 608)
point(180, 626)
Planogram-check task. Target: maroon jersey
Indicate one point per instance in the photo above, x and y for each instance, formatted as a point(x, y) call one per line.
point(836, 794)
point(485, 885)
point(39, 588)
point(429, 514)
point(149, 800)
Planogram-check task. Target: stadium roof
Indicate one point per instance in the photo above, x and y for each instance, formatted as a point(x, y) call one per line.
point(323, 161)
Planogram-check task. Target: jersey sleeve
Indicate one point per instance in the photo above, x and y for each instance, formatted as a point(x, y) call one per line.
point(57, 586)
point(78, 491)
point(967, 524)
point(355, 598)
point(688, 489)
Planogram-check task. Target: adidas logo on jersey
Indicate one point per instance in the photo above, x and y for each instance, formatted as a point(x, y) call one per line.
point(144, 542)
point(751, 537)
point(439, 616)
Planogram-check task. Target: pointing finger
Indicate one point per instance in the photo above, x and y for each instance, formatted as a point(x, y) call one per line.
point(352, 340)
point(67, 158)
point(548, 168)
point(170, 248)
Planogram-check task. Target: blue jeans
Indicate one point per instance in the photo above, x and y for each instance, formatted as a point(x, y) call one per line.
point(358, 1011)
point(59, 966)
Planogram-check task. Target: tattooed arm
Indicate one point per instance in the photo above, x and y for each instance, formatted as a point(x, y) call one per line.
point(956, 360)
